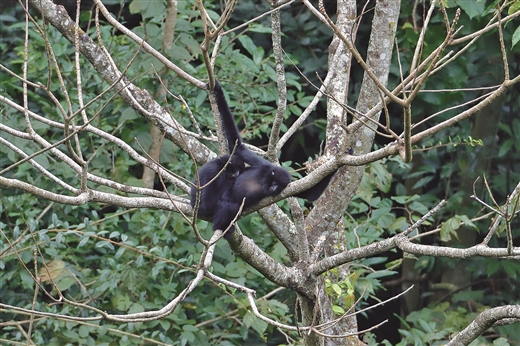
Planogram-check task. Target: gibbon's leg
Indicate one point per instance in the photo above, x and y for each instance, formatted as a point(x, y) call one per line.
point(225, 212)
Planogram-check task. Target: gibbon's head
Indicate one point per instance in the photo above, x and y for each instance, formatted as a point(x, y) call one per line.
point(257, 182)
point(236, 166)
point(277, 179)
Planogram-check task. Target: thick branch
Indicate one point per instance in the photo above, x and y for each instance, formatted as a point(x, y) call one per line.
point(484, 321)
point(137, 98)
point(290, 277)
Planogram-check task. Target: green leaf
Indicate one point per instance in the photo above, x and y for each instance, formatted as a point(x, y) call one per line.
point(135, 7)
point(256, 27)
point(394, 264)
point(511, 268)
point(190, 42)
point(250, 320)
point(501, 342)
point(380, 274)
point(472, 8)
point(515, 7)
point(338, 310)
point(418, 207)
point(464, 296)
point(258, 55)
point(422, 182)
point(136, 307)
point(506, 147)
point(83, 331)
point(404, 199)
point(492, 267)
point(83, 241)
point(120, 252)
point(104, 243)
point(467, 222)
point(64, 283)
point(450, 226)
point(190, 328)
point(179, 53)
point(337, 289)
point(248, 44)
point(121, 302)
point(71, 334)
point(187, 336)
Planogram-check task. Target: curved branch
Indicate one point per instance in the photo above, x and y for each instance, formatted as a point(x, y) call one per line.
point(137, 98)
point(484, 321)
point(102, 197)
point(290, 277)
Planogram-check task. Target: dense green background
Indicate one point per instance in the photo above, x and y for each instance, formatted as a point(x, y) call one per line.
point(136, 260)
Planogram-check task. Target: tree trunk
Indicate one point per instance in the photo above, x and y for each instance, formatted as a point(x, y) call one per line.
point(326, 217)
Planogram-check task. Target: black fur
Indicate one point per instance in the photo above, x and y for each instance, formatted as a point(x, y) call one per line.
point(248, 176)
point(315, 192)
point(225, 178)
point(252, 185)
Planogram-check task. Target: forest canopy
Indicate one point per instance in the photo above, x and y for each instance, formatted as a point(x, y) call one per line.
point(107, 113)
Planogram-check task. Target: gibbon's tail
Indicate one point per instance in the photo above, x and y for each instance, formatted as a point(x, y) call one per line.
point(230, 128)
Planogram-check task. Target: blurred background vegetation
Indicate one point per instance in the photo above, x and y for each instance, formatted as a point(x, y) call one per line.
point(135, 260)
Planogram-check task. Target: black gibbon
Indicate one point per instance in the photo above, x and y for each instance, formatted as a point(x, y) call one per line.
point(242, 175)
point(246, 175)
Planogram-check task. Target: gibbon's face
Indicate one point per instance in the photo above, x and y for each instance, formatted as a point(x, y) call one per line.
point(279, 178)
point(235, 167)
point(255, 183)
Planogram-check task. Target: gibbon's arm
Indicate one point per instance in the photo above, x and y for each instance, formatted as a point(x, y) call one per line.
point(250, 158)
point(315, 192)
point(231, 132)
point(228, 122)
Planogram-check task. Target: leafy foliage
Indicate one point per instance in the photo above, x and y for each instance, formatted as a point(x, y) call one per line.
point(135, 260)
